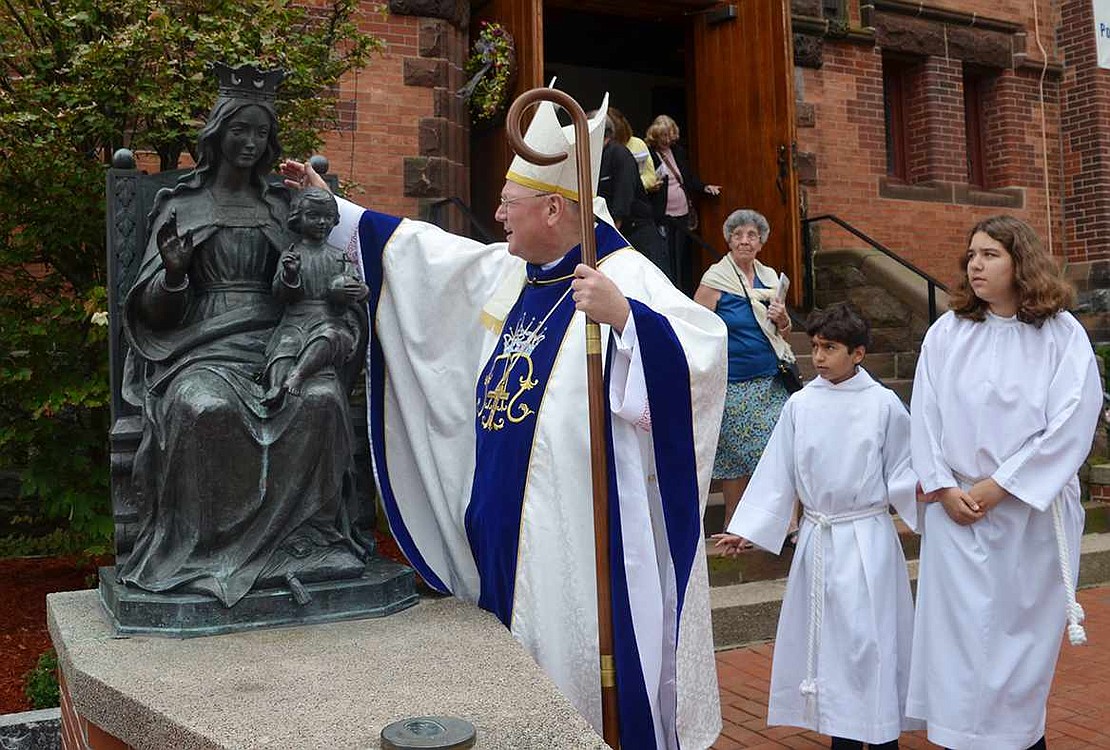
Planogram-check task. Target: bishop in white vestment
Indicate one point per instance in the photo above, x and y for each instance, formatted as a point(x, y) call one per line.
point(842, 649)
point(477, 401)
point(1017, 403)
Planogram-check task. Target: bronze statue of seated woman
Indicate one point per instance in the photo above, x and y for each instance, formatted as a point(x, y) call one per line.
point(235, 493)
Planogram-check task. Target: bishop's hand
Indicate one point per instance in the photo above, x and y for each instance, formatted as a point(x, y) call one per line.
point(300, 175)
point(176, 251)
point(596, 295)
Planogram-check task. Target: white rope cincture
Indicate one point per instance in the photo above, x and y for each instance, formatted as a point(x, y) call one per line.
point(823, 522)
point(1077, 635)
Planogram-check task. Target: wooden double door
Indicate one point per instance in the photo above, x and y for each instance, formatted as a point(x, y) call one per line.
point(739, 83)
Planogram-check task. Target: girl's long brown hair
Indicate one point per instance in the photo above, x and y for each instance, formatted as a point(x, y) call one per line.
point(1041, 289)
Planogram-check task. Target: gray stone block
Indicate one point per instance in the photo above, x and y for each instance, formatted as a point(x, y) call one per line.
point(880, 307)
point(31, 730)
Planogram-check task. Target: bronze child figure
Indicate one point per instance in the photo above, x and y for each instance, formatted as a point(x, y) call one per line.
point(317, 282)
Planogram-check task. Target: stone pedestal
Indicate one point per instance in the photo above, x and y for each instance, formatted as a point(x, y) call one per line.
point(333, 685)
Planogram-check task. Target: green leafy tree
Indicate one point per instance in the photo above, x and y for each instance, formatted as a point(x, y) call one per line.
point(78, 80)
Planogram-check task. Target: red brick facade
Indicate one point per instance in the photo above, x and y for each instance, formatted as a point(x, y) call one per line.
point(1086, 142)
point(1045, 147)
point(925, 214)
point(405, 138)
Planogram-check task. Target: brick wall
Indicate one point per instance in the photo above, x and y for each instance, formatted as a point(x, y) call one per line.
point(926, 218)
point(1086, 142)
point(936, 134)
point(405, 137)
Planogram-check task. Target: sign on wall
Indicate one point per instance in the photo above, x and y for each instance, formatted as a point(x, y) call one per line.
point(1102, 32)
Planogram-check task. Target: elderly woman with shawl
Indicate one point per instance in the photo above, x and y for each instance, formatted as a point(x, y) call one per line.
point(742, 291)
point(233, 494)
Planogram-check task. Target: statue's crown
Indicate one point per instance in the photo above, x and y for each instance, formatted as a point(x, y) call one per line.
point(248, 82)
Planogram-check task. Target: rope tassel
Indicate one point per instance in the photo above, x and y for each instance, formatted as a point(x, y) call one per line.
point(1077, 635)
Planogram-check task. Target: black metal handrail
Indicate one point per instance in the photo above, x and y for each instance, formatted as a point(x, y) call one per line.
point(436, 214)
point(933, 283)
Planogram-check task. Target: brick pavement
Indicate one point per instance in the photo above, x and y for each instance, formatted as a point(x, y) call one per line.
point(1078, 706)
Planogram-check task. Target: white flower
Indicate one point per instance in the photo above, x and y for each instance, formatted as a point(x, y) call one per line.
point(100, 318)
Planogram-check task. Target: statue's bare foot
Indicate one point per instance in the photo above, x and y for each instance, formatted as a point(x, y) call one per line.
point(274, 397)
point(294, 384)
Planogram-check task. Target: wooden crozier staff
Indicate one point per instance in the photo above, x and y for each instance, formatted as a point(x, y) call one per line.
point(596, 387)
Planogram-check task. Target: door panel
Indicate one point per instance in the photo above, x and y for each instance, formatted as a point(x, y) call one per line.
point(490, 153)
point(743, 133)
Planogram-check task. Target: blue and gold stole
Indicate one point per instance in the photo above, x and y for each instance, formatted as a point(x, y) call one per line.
point(509, 392)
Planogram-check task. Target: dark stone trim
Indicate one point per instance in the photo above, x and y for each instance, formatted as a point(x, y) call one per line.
point(809, 51)
point(806, 164)
point(957, 193)
point(823, 27)
point(1022, 64)
point(929, 192)
point(426, 177)
point(805, 115)
point(425, 72)
point(455, 11)
point(996, 197)
point(930, 38)
point(432, 38)
point(954, 17)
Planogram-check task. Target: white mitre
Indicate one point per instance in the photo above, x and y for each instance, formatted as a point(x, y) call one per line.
point(547, 136)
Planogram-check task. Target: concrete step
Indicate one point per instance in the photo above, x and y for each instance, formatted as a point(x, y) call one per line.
point(748, 612)
point(884, 365)
point(759, 565)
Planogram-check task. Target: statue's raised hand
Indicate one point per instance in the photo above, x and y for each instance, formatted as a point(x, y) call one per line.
point(290, 265)
point(176, 252)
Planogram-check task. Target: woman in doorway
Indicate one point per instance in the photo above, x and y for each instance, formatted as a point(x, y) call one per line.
point(682, 186)
point(742, 291)
point(1005, 402)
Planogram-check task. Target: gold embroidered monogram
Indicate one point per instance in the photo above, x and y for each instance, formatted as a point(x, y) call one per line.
point(516, 362)
point(498, 403)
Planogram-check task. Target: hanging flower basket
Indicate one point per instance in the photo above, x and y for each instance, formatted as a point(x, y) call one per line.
point(491, 68)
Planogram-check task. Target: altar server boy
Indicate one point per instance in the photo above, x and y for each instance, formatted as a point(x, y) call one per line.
point(841, 445)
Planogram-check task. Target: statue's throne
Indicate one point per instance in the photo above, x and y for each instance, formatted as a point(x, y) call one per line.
point(130, 197)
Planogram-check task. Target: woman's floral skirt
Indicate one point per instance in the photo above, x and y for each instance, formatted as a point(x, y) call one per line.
point(752, 408)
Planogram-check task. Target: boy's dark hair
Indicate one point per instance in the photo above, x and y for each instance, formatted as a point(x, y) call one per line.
point(840, 322)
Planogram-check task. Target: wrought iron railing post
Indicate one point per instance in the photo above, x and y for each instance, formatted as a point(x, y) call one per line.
point(809, 288)
point(933, 284)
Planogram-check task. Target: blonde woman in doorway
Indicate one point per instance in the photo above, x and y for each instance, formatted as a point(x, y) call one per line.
point(682, 186)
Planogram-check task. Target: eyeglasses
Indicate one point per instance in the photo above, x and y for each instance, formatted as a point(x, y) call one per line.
point(738, 234)
point(509, 201)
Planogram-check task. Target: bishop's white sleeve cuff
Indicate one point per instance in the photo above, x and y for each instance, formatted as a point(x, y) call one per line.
point(627, 386)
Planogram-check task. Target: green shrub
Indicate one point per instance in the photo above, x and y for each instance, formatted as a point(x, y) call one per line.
point(41, 683)
point(80, 79)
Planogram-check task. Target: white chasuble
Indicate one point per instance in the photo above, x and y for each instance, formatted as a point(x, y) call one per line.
point(1002, 399)
point(478, 418)
point(842, 651)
